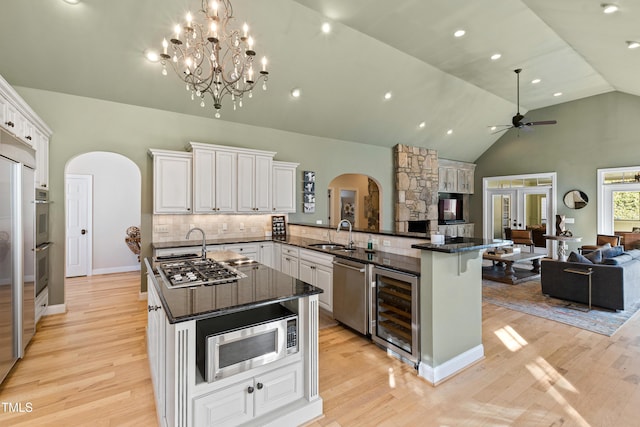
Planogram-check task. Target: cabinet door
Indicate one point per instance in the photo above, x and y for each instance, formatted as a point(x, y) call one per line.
point(156, 346)
point(12, 119)
point(246, 182)
point(265, 254)
point(229, 406)
point(284, 187)
point(4, 120)
point(306, 271)
point(204, 181)
point(42, 160)
point(226, 178)
point(172, 184)
point(28, 134)
point(277, 388)
point(262, 202)
point(290, 265)
point(324, 280)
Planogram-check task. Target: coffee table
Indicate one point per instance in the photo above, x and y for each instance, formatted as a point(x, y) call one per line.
point(503, 270)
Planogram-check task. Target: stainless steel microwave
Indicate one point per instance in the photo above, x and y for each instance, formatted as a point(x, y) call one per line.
point(236, 342)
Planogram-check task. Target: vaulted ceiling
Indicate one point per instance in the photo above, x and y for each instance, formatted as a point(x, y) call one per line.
point(95, 49)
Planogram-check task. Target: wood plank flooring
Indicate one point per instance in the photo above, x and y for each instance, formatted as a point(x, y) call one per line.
point(89, 367)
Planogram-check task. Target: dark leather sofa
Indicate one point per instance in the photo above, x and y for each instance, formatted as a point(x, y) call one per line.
point(615, 282)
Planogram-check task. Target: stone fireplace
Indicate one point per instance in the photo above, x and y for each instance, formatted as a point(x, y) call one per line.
point(416, 185)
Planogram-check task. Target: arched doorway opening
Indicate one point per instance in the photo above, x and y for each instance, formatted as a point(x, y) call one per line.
point(355, 197)
point(102, 199)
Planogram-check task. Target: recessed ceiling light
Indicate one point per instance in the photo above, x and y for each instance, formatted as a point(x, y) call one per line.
point(387, 95)
point(72, 1)
point(296, 93)
point(493, 128)
point(326, 28)
point(557, 94)
point(633, 44)
point(151, 55)
point(450, 131)
point(609, 8)
point(496, 56)
point(535, 81)
point(422, 125)
point(459, 33)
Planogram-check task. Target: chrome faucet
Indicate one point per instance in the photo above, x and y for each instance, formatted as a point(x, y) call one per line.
point(204, 240)
point(351, 244)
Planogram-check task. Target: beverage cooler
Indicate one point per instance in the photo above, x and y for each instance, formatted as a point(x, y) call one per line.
point(395, 312)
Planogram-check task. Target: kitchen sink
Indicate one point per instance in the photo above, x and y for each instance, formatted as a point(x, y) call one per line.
point(328, 246)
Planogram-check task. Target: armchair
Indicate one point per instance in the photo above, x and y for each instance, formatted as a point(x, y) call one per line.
point(521, 237)
point(601, 242)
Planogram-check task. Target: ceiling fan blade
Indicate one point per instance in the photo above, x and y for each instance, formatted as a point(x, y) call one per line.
point(502, 130)
point(543, 122)
point(495, 126)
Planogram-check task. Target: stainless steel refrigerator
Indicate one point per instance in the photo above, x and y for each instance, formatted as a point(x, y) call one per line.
point(17, 192)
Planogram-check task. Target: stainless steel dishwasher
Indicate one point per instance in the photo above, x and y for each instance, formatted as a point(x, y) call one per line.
point(351, 294)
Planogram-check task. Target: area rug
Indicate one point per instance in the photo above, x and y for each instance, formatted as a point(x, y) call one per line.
point(527, 298)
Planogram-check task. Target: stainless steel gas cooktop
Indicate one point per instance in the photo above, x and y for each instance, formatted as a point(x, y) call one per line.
point(195, 272)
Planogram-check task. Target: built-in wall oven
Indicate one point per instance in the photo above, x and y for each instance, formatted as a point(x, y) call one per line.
point(395, 311)
point(236, 342)
point(42, 240)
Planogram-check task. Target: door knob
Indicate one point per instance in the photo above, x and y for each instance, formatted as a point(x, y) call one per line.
point(83, 231)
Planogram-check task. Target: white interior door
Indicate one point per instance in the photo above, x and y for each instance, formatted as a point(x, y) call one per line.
point(78, 225)
point(503, 211)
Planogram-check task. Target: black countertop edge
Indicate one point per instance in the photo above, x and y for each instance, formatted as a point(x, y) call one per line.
point(384, 259)
point(462, 244)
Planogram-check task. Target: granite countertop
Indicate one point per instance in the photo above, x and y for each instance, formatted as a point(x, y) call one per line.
point(462, 244)
point(262, 286)
point(393, 261)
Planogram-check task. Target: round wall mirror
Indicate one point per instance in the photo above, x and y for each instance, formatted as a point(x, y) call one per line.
point(575, 199)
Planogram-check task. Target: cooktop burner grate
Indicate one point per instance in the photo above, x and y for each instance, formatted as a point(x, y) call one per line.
point(197, 272)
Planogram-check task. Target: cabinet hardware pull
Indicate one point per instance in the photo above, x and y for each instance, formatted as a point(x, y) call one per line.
point(249, 389)
point(9, 123)
point(154, 307)
point(259, 385)
point(28, 137)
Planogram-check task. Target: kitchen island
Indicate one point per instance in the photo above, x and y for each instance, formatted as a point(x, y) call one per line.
point(451, 306)
point(282, 392)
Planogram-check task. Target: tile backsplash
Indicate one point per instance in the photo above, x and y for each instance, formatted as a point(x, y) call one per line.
point(171, 228)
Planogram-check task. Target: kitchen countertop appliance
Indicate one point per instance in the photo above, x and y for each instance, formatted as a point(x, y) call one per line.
point(195, 272)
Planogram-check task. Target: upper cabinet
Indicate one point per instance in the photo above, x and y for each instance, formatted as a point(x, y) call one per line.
point(171, 182)
point(284, 186)
point(254, 182)
point(455, 177)
point(214, 179)
point(17, 118)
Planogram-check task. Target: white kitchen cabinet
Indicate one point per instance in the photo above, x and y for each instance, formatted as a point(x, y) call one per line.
point(42, 160)
point(316, 268)
point(172, 172)
point(12, 119)
point(214, 179)
point(254, 182)
point(253, 397)
point(156, 321)
point(250, 250)
point(289, 260)
point(266, 254)
point(42, 302)
point(284, 186)
point(455, 176)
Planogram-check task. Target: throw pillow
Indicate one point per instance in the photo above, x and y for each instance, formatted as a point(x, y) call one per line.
point(576, 257)
point(594, 256)
point(612, 252)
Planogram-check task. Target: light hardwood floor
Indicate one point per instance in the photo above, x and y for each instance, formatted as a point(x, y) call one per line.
point(89, 367)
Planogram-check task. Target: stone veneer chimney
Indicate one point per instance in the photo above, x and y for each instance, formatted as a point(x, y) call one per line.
point(416, 184)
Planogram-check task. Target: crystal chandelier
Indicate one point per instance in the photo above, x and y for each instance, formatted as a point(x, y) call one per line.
point(212, 57)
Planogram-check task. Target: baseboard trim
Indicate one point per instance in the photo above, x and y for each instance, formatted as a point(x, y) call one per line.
point(55, 309)
point(436, 375)
point(111, 270)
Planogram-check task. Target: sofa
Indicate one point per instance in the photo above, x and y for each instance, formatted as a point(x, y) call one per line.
point(615, 281)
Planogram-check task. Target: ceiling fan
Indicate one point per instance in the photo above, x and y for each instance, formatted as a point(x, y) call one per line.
point(517, 121)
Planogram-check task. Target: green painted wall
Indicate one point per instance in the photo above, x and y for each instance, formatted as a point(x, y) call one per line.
point(82, 125)
point(591, 133)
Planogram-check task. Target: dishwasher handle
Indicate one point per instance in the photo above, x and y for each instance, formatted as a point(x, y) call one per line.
point(360, 270)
